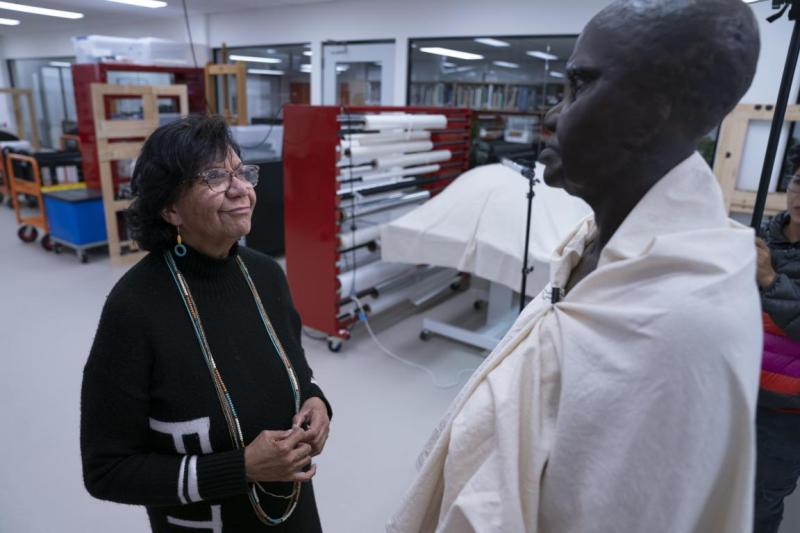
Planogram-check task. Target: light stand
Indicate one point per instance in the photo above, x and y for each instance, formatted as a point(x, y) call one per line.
point(528, 171)
point(793, 7)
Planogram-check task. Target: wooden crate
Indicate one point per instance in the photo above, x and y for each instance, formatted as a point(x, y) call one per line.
point(120, 140)
point(730, 151)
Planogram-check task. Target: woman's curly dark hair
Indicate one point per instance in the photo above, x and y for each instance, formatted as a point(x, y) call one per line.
point(171, 158)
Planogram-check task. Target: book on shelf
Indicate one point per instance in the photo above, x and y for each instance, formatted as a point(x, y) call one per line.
point(489, 96)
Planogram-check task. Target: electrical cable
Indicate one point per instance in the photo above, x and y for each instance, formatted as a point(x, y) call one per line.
point(313, 337)
point(189, 31)
point(362, 316)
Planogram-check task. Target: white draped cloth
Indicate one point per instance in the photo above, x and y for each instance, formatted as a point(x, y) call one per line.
point(629, 405)
point(477, 225)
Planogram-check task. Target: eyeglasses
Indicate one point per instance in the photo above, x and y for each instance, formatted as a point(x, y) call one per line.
point(220, 180)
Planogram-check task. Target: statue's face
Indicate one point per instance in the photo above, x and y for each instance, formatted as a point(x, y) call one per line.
point(605, 117)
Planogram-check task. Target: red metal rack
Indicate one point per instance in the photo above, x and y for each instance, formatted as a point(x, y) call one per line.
point(84, 74)
point(311, 203)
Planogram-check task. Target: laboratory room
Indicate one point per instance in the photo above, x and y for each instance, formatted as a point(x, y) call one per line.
point(358, 266)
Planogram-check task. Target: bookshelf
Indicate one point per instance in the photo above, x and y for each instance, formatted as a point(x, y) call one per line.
point(511, 98)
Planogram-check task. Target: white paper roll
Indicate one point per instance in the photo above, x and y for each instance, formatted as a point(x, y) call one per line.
point(410, 171)
point(354, 172)
point(358, 237)
point(371, 275)
point(363, 257)
point(413, 159)
point(371, 151)
point(369, 139)
point(363, 186)
point(408, 122)
point(384, 137)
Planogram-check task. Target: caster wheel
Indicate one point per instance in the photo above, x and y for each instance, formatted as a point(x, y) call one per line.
point(478, 305)
point(334, 346)
point(27, 233)
point(84, 258)
point(47, 243)
point(2, 197)
point(57, 249)
point(425, 335)
point(459, 285)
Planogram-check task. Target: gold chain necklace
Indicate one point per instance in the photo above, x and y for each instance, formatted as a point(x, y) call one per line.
point(228, 409)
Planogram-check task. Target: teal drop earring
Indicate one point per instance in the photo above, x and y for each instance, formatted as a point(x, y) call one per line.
point(180, 248)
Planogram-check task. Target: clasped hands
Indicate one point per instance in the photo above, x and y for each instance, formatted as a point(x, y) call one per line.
point(284, 455)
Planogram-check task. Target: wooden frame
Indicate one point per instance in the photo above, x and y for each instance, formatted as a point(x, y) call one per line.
point(114, 144)
point(16, 97)
point(239, 70)
point(729, 153)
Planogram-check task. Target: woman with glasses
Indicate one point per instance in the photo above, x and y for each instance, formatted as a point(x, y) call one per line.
point(778, 416)
point(197, 399)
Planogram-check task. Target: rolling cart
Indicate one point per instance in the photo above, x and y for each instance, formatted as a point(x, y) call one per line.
point(24, 173)
point(76, 220)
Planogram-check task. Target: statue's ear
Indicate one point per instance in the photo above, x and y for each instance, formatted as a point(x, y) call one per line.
point(654, 116)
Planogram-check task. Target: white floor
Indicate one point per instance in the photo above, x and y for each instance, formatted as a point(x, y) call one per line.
point(49, 307)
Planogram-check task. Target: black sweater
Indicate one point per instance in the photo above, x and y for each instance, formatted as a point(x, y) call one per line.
point(152, 430)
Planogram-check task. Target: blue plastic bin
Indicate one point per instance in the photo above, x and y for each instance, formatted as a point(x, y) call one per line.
point(76, 216)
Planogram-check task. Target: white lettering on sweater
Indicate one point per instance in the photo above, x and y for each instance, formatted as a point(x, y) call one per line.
point(178, 430)
point(215, 524)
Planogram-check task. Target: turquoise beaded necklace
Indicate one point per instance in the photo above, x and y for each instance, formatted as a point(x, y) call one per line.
point(228, 409)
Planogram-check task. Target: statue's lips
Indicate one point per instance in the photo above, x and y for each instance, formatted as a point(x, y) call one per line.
point(549, 156)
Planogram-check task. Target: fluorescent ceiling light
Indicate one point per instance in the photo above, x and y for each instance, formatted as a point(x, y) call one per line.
point(9, 22)
point(448, 64)
point(254, 59)
point(22, 8)
point(265, 72)
point(305, 67)
point(542, 55)
point(159, 61)
point(141, 3)
point(556, 74)
point(307, 53)
point(505, 64)
point(60, 64)
point(492, 42)
point(450, 53)
point(751, 1)
point(342, 68)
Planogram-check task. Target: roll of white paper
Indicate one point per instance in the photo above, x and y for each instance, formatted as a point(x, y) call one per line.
point(410, 171)
point(413, 159)
point(371, 275)
point(365, 153)
point(355, 172)
point(369, 139)
point(351, 239)
point(408, 122)
point(350, 188)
